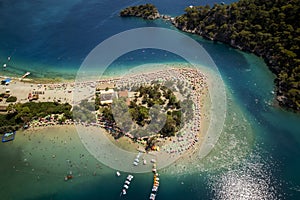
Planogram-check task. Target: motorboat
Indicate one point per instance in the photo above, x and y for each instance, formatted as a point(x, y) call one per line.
point(8, 136)
point(26, 74)
point(152, 196)
point(127, 182)
point(118, 173)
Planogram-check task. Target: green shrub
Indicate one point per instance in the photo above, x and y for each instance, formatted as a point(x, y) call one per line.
point(11, 99)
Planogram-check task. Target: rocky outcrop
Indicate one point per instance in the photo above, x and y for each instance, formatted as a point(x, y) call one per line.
point(147, 11)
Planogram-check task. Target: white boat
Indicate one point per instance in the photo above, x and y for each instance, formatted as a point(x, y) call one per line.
point(26, 74)
point(118, 173)
point(137, 160)
point(154, 189)
point(144, 162)
point(127, 182)
point(4, 65)
point(131, 176)
point(126, 187)
point(152, 196)
point(124, 192)
point(135, 163)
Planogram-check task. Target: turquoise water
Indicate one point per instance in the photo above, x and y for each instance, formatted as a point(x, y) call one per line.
point(51, 39)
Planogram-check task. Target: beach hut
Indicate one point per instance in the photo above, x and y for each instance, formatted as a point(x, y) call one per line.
point(108, 87)
point(123, 94)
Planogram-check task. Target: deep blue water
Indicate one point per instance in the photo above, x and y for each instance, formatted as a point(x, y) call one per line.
point(57, 36)
point(52, 38)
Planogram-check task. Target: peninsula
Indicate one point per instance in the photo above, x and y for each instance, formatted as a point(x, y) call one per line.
point(175, 93)
point(147, 11)
point(173, 96)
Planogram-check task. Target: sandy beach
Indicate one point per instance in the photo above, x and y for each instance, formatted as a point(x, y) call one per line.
point(191, 137)
point(61, 92)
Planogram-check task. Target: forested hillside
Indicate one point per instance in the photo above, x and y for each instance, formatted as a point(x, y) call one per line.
point(267, 28)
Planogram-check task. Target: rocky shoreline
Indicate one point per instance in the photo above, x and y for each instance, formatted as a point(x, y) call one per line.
point(147, 11)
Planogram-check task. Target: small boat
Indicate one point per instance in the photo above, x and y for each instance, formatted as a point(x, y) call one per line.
point(124, 192)
point(152, 196)
point(144, 162)
point(127, 182)
point(135, 163)
point(126, 187)
point(4, 65)
point(26, 74)
point(129, 177)
point(154, 189)
point(118, 173)
point(8, 136)
point(68, 177)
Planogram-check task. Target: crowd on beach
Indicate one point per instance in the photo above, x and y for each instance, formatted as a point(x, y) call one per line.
point(194, 84)
point(50, 120)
